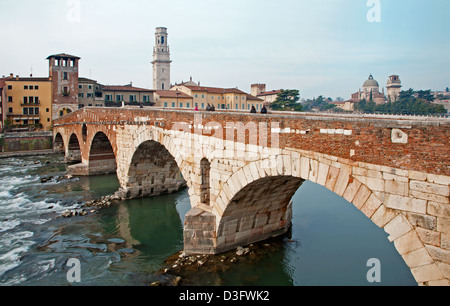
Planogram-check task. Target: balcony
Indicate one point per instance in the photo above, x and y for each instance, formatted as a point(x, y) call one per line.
point(34, 103)
point(23, 117)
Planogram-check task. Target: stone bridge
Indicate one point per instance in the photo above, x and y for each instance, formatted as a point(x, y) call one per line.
point(243, 169)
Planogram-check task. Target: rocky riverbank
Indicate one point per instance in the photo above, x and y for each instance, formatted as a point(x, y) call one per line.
point(186, 270)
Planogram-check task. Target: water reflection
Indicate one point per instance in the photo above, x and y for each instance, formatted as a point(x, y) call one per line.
point(329, 244)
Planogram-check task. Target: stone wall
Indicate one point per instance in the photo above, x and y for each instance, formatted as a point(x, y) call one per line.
point(27, 141)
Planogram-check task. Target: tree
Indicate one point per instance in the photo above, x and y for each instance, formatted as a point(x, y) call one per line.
point(409, 102)
point(287, 100)
point(318, 104)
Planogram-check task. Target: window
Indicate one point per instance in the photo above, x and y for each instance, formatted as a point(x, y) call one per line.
point(237, 107)
point(47, 110)
point(80, 86)
point(181, 104)
point(36, 110)
point(25, 100)
point(132, 98)
point(31, 111)
point(165, 104)
point(108, 98)
point(162, 86)
point(65, 91)
point(187, 105)
point(90, 86)
point(9, 87)
point(119, 98)
point(10, 99)
point(173, 104)
point(196, 95)
point(25, 87)
point(36, 87)
point(65, 75)
point(25, 111)
point(10, 110)
point(80, 95)
point(89, 95)
point(203, 105)
point(203, 96)
point(48, 119)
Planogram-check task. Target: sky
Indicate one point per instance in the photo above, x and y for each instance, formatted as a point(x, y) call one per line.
point(320, 47)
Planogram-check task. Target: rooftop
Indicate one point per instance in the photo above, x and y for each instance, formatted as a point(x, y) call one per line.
point(172, 94)
point(62, 55)
point(125, 88)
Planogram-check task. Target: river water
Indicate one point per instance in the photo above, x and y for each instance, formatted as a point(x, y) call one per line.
point(127, 243)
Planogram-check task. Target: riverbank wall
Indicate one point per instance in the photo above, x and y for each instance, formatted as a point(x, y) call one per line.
point(26, 143)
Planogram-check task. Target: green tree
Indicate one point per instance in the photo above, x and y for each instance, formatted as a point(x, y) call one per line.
point(318, 104)
point(287, 100)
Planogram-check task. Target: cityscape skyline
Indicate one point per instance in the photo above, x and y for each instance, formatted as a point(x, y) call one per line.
point(321, 48)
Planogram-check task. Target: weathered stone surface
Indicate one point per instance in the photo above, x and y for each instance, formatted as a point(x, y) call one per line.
point(249, 185)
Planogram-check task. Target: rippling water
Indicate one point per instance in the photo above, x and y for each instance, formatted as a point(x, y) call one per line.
point(330, 241)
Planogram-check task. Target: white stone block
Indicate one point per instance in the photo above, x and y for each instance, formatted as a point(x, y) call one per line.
point(397, 227)
point(406, 204)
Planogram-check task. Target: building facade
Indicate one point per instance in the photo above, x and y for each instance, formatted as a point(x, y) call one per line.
point(259, 91)
point(89, 93)
point(27, 101)
point(126, 94)
point(161, 60)
point(173, 99)
point(221, 98)
point(63, 73)
point(370, 92)
point(393, 87)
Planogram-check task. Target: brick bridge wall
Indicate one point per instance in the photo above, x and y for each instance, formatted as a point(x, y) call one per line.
point(396, 170)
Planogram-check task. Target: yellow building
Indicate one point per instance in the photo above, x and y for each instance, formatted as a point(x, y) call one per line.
point(173, 99)
point(27, 101)
point(221, 98)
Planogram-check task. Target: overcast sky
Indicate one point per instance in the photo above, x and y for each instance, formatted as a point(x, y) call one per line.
point(320, 47)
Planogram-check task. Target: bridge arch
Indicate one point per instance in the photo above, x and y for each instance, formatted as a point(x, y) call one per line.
point(58, 143)
point(73, 154)
point(101, 158)
point(241, 220)
point(152, 171)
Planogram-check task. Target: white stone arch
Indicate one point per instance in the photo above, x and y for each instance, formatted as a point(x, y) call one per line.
point(338, 178)
point(143, 135)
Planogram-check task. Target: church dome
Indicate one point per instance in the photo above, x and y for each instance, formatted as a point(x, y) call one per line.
point(370, 82)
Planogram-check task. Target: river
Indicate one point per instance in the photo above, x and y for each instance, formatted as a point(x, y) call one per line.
point(127, 243)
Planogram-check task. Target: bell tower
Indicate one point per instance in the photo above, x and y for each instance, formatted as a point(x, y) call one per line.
point(161, 61)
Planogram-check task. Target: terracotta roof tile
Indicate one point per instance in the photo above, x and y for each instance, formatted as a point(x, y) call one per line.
point(125, 88)
point(172, 94)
